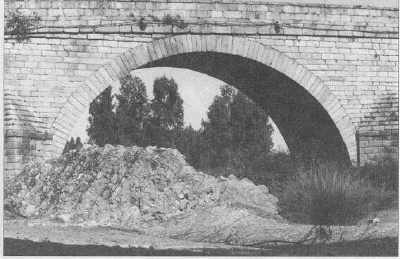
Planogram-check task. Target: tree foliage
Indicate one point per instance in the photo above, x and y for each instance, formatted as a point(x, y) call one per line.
point(251, 132)
point(135, 120)
point(72, 145)
point(19, 25)
point(132, 112)
point(236, 134)
point(217, 144)
point(235, 138)
point(188, 142)
point(166, 118)
point(102, 127)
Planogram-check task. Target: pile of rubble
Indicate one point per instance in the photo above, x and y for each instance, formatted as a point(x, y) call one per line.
point(152, 190)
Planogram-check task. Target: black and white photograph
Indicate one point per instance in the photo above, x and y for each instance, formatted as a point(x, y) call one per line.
point(200, 128)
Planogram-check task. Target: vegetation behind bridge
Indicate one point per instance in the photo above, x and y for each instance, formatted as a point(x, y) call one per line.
point(236, 139)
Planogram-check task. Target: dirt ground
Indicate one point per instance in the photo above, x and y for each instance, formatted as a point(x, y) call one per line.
point(370, 247)
point(27, 236)
point(76, 235)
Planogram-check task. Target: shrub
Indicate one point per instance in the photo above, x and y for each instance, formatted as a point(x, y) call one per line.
point(383, 172)
point(270, 169)
point(326, 195)
point(274, 170)
point(20, 25)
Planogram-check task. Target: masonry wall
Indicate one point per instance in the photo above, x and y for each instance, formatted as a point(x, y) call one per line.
point(352, 49)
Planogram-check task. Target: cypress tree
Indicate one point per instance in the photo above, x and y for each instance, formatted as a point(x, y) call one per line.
point(167, 113)
point(102, 126)
point(132, 112)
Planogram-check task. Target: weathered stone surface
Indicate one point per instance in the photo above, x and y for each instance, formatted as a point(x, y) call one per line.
point(148, 189)
point(352, 50)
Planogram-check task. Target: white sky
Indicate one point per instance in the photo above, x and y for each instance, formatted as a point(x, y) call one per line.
point(197, 91)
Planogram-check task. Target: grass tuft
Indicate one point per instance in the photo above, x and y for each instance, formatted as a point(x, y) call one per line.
point(326, 195)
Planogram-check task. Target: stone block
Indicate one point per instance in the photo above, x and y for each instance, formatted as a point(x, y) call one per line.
point(348, 66)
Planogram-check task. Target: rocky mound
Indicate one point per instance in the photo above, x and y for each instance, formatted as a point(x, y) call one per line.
point(151, 189)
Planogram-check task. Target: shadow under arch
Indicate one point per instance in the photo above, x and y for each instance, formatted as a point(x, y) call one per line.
point(308, 115)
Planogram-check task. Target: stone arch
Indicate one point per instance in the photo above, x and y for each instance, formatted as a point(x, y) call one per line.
point(142, 55)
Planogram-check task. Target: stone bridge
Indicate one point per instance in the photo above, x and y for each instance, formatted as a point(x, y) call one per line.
point(326, 73)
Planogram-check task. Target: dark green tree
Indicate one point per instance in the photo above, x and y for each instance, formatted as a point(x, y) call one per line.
point(69, 145)
point(72, 145)
point(216, 147)
point(102, 126)
point(132, 112)
point(251, 132)
point(167, 113)
point(78, 144)
point(188, 143)
point(236, 136)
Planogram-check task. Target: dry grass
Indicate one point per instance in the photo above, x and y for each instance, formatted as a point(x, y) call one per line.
point(326, 195)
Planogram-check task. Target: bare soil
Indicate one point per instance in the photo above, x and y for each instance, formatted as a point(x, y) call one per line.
point(370, 247)
point(30, 237)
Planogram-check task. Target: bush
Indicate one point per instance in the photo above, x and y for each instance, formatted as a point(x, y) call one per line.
point(271, 169)
point(326, 195)
point(274, 170)
point(383, 172)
